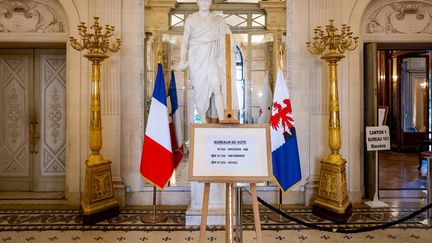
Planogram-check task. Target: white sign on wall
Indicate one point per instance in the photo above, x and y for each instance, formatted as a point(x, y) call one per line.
point(377, 138)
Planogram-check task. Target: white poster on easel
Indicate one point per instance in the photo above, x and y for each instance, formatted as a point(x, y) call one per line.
point(230, 153)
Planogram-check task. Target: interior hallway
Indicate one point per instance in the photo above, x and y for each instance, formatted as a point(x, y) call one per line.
point(400, 180)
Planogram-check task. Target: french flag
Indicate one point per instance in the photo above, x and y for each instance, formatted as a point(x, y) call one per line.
point(285, 155)
point(157, 163)
point(175, 123)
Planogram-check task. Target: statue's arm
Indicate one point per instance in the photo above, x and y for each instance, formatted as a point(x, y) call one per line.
point(184, 47)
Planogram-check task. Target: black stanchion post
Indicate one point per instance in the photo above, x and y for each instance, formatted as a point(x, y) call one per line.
point(238, 214)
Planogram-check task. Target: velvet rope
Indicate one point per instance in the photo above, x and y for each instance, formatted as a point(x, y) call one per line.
point(342, 230)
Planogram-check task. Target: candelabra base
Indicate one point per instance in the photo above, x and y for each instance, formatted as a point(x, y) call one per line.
point(332, 199)
point(98, 201)
point(90, 218)
point(339, 218)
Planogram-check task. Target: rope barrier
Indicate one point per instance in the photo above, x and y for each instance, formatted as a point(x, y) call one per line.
point(342, 230)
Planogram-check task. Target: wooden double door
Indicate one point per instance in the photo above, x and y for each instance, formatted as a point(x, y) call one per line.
point(32, 119)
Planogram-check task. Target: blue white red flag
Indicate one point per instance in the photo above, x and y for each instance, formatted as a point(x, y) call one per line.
point(157, 163)
point(265, 102)
point(285, 155)
point(175, 123)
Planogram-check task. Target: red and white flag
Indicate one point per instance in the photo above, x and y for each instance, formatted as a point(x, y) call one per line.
point(157, 163)
point(175, 123)
point(265, 102)
point(285, 153)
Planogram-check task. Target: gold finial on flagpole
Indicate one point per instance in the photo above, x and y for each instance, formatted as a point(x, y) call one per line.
point(281, 53)
point(159, 50)
point(172, 65)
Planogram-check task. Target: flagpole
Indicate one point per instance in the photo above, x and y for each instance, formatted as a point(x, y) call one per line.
point(154, 203)
point(153, 218)
point(277, 217)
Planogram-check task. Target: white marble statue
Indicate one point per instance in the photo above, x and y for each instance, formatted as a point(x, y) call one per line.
point(203, 52)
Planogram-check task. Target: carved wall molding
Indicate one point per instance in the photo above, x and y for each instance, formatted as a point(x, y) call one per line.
point(399, 17)
point(14, 84)
point(13, 114)
point(55, 115)
point(22, 16)
point(53, 147)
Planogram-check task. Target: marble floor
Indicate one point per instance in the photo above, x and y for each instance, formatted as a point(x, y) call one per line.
point(64, 225)
point(399, 171)
point(270, 236)
point(400, 179)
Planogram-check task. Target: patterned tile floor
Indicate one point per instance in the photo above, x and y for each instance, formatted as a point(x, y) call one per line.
point(269, 236)
point(64, 226)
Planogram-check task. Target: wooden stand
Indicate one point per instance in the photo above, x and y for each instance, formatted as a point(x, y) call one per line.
point(229, 118)
point(229, 217)
point(229, 113)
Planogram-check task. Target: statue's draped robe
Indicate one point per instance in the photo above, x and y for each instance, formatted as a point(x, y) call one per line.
point(206, 59)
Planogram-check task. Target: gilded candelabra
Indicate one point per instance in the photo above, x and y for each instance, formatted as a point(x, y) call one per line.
point(332, 200)
point(98, 202)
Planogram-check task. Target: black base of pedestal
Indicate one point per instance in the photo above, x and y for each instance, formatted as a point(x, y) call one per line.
point(332, 216)
point(89, 219)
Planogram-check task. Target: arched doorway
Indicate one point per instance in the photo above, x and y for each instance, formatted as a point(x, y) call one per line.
point(389, 39)
point(39, 68)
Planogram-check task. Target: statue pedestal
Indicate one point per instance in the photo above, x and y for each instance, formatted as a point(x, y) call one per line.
point(216, 211)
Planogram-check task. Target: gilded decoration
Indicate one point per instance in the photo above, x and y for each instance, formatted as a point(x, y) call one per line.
point(332, 201)
point(98, 202)
point(328, 182)
point(29, 16)
point(102, 187)
point(405, 17)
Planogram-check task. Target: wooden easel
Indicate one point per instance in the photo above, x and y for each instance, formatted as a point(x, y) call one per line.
point(229, 191)
point(229, 200)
